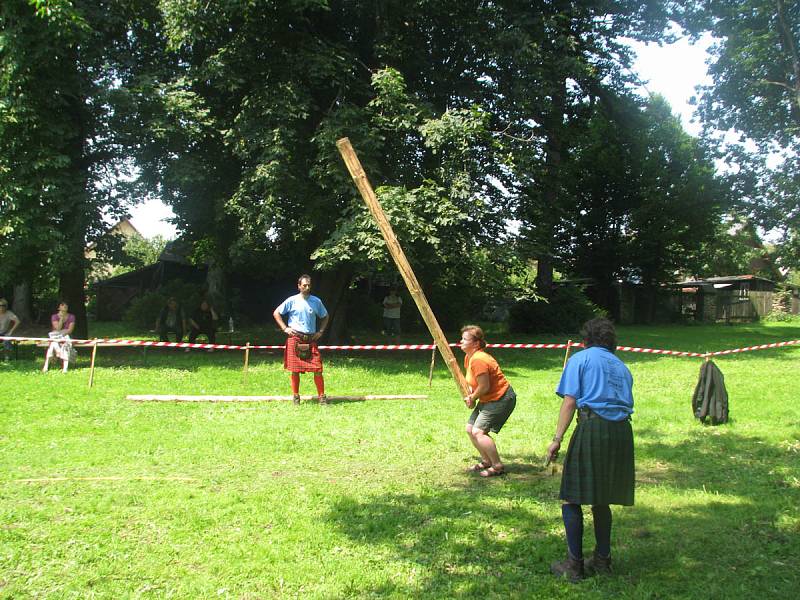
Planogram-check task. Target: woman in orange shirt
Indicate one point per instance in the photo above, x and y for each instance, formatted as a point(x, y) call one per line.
point(494, 396)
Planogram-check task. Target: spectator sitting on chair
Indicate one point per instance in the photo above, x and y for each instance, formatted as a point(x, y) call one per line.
point(203, 320)
point(62, 324)
point(8, 323)
point(171, 319)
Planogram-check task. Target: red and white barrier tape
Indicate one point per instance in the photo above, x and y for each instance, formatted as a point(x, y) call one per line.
point(114, 342)
point(751, 348)
point(652, 351)
point(118, 342)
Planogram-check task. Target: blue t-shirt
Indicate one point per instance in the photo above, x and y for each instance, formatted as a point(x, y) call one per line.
point(600, 381)
point(303, 314)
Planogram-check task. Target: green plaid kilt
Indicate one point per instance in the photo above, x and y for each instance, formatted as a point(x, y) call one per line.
point(598, 467)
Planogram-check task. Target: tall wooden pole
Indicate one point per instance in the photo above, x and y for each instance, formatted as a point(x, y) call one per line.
point(360, 179)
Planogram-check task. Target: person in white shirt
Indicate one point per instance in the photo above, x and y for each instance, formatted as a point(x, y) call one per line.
point(391, 312)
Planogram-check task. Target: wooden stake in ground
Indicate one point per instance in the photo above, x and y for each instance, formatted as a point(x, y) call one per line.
point(363, 185)
point(433, 362)
point(91, 369)
point(246, 361)
point(566, 354)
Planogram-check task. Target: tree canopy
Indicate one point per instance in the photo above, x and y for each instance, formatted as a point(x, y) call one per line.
point(64, 137)
point(755, 93)
point(495, 133)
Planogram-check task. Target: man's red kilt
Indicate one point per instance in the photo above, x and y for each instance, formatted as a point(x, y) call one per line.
point(295, 364)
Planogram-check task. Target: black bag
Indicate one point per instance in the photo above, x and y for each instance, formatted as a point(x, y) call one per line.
point(710, 398)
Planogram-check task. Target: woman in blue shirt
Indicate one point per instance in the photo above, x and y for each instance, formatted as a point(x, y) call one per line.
point(598, 468)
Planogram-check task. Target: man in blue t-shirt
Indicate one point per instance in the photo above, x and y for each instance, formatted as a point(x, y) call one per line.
point(305, 320)
point(599, 467)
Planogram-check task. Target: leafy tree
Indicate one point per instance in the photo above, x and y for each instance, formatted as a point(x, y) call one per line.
point(451, 105)
point(736, 249)
point(681, 198)
point(273, 87)
point(552, 65)
point(64, 68)
point(646, 200)
point(755, 91)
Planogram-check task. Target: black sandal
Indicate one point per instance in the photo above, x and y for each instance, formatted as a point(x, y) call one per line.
point(478, 467)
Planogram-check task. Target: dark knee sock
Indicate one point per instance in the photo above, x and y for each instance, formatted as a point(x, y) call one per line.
point(295, 379)
point(602, 529)
point(573, 526)
point(319, 381)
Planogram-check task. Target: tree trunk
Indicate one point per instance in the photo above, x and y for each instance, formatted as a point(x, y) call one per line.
point(216, 282)
point(544, 275)
point(78, 210)
point(551, 192)
point(333, 288)
point(21, 305)
point(71, 291)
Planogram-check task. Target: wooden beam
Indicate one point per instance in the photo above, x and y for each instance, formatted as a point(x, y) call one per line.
point(133, 478)
point(209, 398)
point(363, 185)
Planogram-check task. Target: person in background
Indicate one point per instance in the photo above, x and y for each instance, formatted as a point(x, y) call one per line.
point(8, 324)
point(203, 320)
point(171, 319)
point(391, 312)
point(492, 397)
point(599, 466)
point(62, 324)
point(306, 319)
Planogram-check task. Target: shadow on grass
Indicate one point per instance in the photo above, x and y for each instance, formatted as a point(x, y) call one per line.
point(459, 540)
point(716, 516)
point(719, 459)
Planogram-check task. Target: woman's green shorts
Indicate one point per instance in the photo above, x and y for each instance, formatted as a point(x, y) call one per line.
point(491, 416)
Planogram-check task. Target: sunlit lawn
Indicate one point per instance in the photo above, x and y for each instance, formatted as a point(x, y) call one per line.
point(370, 499)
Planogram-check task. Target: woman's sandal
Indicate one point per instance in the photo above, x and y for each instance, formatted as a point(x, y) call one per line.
point(478, 467)
point(492, 472)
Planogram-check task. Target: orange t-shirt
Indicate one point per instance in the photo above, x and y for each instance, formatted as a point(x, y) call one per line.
point(479, 364)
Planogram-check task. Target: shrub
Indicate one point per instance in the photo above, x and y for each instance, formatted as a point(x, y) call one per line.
point(565, 311)
point(144, 309)
point(781, 303)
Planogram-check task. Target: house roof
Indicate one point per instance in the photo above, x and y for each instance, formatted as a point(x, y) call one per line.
point(728, 279)
point(123, 227)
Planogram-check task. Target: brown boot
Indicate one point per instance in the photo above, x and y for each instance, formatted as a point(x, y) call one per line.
point(571, 568)
point(597, 565)
point(296, 399)
point(323, 399)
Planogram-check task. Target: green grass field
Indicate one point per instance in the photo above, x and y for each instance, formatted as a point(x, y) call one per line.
point(370, 499)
